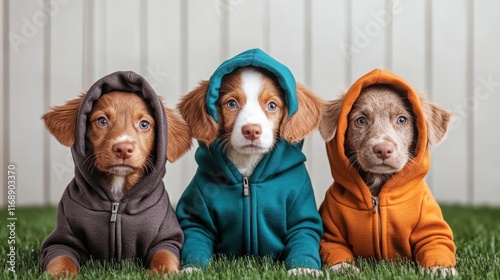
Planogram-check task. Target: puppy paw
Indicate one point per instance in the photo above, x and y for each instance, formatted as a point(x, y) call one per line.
point(305, 272)
point(443, 271)
point(344, 267)
point(190, 269)
point(164, 262)
point(62, 266)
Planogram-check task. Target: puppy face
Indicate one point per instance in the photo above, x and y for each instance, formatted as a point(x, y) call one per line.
point(122, 133)
point(121, 130)
point(249, 97)
point(252, 108)
point(381, 133)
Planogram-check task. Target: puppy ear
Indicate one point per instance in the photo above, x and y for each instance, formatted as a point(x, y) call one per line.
point(179, 135)
point(193, 109)
point(61, 121)
point(438, 121)
point(329, 120)
point(305, 120)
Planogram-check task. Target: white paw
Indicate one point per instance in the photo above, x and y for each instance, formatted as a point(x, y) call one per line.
point(305, 272)
point(443, 271)
point(190, 269)
point(344, 267)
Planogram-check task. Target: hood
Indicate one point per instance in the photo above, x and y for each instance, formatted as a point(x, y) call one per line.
point(402, 182)
point(91, 183)
point(256, 58)
point(214, 162)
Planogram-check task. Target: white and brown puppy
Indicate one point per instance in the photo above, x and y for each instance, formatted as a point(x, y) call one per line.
point(251, 194)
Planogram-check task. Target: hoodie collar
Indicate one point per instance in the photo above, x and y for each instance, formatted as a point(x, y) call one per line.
point(342, 170)
point(85, 173)
point(257, 58)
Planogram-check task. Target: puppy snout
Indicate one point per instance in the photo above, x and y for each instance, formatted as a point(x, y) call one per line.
point(251, 131)
point(383, 150)
point(123, 150)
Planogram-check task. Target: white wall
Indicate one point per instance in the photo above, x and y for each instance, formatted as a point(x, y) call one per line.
point(447, 49)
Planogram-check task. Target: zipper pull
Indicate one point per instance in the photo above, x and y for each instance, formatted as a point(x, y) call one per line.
point(246, 186)
point(375, 204)
point(114, 211)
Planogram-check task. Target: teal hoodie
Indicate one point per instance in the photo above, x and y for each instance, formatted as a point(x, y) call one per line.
point(271, 213)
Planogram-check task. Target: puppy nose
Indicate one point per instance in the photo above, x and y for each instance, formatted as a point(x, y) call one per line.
point(383, 150)
point(251, 131)
point(123, 150)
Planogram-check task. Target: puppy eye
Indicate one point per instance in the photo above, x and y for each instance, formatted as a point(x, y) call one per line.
point(102, 121)
point(401, 120)
point(144, 125)
point(232, 104)
point(361, 121)
point(271, 106)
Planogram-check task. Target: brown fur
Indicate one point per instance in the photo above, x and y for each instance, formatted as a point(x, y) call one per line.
point(164, 262)
point(383, 146)
point(62, 266)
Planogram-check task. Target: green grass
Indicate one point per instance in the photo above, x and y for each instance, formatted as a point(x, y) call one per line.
point(476, 230)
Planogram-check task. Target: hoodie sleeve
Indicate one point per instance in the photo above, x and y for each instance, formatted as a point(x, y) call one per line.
point(334, 248)
point(170, 237)
point(432, 238)
point(304, 230)
point(62, 242)
point(199, 229)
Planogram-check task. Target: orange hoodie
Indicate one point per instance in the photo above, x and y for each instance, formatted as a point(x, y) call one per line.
point(404, 221)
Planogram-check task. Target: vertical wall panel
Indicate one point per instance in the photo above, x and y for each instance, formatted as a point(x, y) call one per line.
point(66, 72)
point(408, 48)
point(368, 37)
point(245, 25)
point(163, 72)
point(27, 20)
point(485, 102)
point(203, 55)
point(286, 29)
point(450, 162)
point(328, 77)
point(100, 40)
point(122, 35)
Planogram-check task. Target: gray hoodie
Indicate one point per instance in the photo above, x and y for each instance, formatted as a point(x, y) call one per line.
point(90, 222)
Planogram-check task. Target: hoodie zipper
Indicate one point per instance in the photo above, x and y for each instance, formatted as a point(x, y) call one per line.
point(376, 211)
point(112, 237)
point(247, 193)
point(114, 212)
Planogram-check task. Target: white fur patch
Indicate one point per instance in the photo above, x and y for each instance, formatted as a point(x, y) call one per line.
point(123, 138)
point(117, 186)
point(252, 113)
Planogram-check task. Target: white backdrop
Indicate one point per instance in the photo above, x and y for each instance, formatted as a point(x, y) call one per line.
point(53, 49)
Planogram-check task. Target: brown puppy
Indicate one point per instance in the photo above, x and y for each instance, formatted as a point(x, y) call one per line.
point(379, 157)
point(121, 132)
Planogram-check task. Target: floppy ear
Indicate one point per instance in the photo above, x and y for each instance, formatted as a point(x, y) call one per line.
point(193, 109)
point(305, 120)
point(61, 121)
point(330, 118)
point(437, 120)
point(179, 136)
